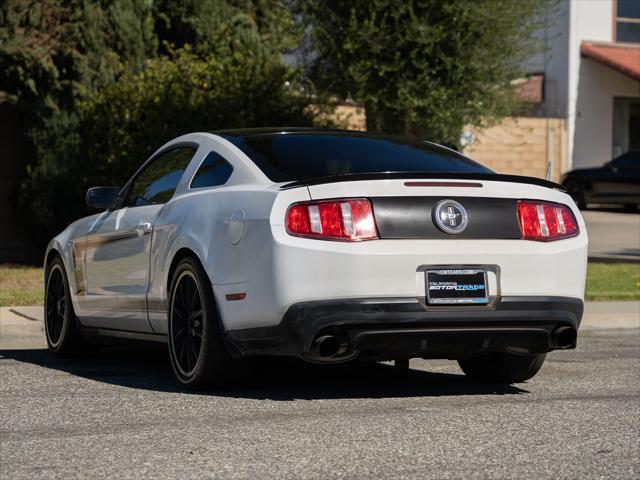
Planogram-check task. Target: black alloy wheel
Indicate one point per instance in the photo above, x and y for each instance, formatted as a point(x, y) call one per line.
point(60, 325)
point(199, 356)
point(187, 323)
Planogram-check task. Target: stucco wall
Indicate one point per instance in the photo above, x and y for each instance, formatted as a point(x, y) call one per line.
point(517, 145)
point(522, 146)
point(571, 22)
point(590, 20)
point(554, 61)
point(593, 120)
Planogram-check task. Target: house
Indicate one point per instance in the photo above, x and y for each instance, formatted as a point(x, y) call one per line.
point(585, 94)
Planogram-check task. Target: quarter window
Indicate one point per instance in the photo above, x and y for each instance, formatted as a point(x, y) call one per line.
point(213, 172)
point(159, 179)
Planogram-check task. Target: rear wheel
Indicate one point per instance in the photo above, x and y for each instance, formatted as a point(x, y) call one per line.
point(60, 323)
point(503, 367)
point(198, 355)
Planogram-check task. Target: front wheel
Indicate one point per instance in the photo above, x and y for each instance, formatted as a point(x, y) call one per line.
point(503, 367)
point(60, 323)
point(198, 354)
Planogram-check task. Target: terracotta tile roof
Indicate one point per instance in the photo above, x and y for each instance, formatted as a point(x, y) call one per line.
point(622, 57)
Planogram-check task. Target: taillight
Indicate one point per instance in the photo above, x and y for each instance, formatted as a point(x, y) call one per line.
point(348, 219)
point(545, 222)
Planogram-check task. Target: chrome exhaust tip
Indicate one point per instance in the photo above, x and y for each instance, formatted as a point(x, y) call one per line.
point(329, 346)
point(564, 337)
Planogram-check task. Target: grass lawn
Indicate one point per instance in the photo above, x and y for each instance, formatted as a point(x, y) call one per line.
point(20, 285)
point(613, 281)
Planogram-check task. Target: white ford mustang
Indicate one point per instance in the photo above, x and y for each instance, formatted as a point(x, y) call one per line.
point(325, 245)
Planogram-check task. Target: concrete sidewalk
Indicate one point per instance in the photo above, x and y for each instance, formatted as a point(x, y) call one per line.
point(596, 315)
point(21, 327)
point(16, 314)
point(611, 315)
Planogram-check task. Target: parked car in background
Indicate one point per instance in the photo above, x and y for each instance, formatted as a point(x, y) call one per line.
point(617, 182)
point(325, 245)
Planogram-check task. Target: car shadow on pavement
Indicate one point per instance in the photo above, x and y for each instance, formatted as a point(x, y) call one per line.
point(148, 368)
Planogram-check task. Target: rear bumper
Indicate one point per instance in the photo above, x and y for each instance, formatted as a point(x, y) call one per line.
point(385, 328)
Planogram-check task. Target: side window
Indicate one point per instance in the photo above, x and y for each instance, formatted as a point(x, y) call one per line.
point(159, 179)
point(213, 172)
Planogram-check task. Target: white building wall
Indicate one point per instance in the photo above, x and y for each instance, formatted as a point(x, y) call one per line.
point(578, 92)
point(597, 86)
point(554, 62)
point(569, 23)
point(589, 20)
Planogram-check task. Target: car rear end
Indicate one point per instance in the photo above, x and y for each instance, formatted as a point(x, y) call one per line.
point(380, 266)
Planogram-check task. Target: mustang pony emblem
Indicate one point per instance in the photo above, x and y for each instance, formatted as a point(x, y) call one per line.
point(450, 216)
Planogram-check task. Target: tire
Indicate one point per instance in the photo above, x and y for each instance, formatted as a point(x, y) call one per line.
point(199, 357)
point(577, 193)
point(503, 367)
point(60, 322)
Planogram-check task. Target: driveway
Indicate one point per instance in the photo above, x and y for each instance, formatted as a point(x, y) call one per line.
point(613, 235)
point(118, 413)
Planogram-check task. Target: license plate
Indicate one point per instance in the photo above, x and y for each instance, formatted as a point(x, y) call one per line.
point(457, 287)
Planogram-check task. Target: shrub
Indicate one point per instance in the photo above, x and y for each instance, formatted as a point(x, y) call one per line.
point(113, 131)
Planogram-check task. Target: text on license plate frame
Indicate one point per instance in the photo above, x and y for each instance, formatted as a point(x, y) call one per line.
point(452, 281)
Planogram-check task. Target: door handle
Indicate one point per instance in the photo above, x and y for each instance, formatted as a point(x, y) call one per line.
point(143, 228)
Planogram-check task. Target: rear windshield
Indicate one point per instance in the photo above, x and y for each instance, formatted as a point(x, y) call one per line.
point(298, 156)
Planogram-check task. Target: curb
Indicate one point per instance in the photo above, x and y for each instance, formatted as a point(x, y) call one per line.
point(613, 259)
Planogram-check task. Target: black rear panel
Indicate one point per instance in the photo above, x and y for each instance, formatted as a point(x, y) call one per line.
point(410, 217)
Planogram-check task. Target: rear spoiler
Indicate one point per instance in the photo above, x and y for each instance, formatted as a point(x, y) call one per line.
point(357, 177)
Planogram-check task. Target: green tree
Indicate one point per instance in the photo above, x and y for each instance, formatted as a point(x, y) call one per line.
point(182, 93)
point(53, 54)
point(266, 28)
point(112, 132)
point(424, 67)
point(102, 84)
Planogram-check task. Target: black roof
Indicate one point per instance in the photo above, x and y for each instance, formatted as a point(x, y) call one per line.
point(270, 131)
point(250, 132)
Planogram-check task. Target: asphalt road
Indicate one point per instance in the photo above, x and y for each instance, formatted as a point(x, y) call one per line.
point(613, 233)
point(118, 413)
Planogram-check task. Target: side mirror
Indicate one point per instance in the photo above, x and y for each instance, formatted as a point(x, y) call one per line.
point(102, 198)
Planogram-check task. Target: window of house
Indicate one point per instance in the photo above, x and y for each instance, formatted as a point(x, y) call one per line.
point(626, 125)
point(213, 172)
point(627, 23)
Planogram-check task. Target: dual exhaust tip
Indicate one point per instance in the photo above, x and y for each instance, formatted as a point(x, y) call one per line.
point(563, 337)
point(327, 347)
